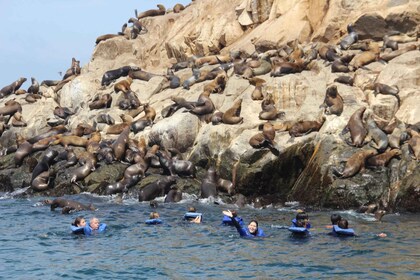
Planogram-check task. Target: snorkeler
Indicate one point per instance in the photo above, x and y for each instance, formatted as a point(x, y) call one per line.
point(251, 230)
point(227, 221)
point(192, 216)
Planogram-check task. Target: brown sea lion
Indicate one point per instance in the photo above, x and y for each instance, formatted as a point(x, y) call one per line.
point(32, 98)
point(62, 112)
point(366, 57)
point(285, 68)
point(257, 94)
point(63, 82)
point(226, 186)
point(105, 118)
point(44, 164)
point(101, 102)
point(389, 43)
point(120, 144)
point(142, 75)
point(216, 118)
point(333, 102)
point(302, 128)
point(328, 53)
point(174, 195)
point(66, 140)
point(178, 8)
point(269, 110)
point(356, 127)
point(68, 204)
point(211, 60)
point(51, 132)
point(50, 83)
point(382, 159)
point(175, 167)
point(204, 105)
point(414, 143)
point(10, 108)
point(17, 120)
point(355, 164)
point(218, 84)
point(232, 115)
point(81, 172)
point(123, 85)
point(391, 55)
point(265, 139)
point(263, 68)
point(12, 88)
point(152, 12)
point(34, 88)
point(74, 69)
point(41, 182)
point(158, 188)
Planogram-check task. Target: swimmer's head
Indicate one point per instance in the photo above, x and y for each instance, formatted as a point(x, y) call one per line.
point(335, 218)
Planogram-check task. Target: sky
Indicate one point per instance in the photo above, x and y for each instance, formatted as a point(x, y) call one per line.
point(38, 38)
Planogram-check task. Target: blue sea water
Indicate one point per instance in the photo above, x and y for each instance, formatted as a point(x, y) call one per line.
point(36, 243)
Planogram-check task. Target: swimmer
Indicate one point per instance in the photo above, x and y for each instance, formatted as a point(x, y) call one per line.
point(94, 227)
point(251, 231)
point(154, 215)
point(343, 223)
point(228, 222)
point(154, 219)
point(77, 227)
point(301, 220)
point(334, 220)
point(195, 220)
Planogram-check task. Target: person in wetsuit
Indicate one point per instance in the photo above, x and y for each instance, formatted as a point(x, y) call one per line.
point(251, 230)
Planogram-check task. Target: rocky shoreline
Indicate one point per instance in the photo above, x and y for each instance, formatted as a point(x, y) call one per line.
point(284, 166)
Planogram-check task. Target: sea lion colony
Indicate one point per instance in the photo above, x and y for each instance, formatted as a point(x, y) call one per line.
point(291, 58)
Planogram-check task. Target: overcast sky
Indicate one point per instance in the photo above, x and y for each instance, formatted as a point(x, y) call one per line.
point(38, 38)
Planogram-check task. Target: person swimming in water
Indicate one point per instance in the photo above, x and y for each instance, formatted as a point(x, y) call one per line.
point(251, 230)
point(77, 227)
point(193, 218)
point(94, 227)
point(301, 220)
point(228, 222)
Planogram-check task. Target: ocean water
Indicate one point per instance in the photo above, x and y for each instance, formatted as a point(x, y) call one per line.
point(37, 243)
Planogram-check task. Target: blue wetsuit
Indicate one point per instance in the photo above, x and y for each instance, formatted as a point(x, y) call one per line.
point(228, 222)
point(89, 231)
point(244, 232)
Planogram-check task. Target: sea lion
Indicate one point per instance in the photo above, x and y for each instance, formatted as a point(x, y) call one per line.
point(257, 94)
point(62, 112)
point(345, 80)
point(355, 164)
point(333, 102)
point(389, 43)
point(68, 204)
point(109, 36)
point(209, 184)
point(328, 53)
point(264, 68)
point(120, 144)
point(41, 182)
point(216, 118)
point(66, 140)
point(74, 69)
point(218, 84)
point(191, 80)
point(22, 151)
point(302, 128)
point(174, 195)
point(158, 188)
point(350, 38)
point(284, 68)
point(140, 125)
point(174, 81)
point(204, 105)
point(378, 136)
point(232, 115)
point(226, 186)
point(382, 159)
point(414, 143)
point(17, 120)
point(53, 131)
point(137, 27)
point(123, 85)
point(81, 172)
point(366, 57)
point(178, 8)
point(387, 90)
point(175, 167)
point(152, 12)
point(391, 55)
point(211, 60)
point(101, 102)
point(50, 83)
point(142, 75)
point(12, 88)
point(112, 75)
point(34, 88)
point(62, 83)
point(44, 164)
point(265, 139)
point(356, 127)
point(105, 118)
point(10, 108)
point(397, 136)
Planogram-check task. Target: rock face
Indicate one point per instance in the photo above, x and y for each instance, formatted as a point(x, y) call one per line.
point(302, 168)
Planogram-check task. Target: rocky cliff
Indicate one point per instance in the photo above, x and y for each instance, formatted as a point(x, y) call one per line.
point(301, 167)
